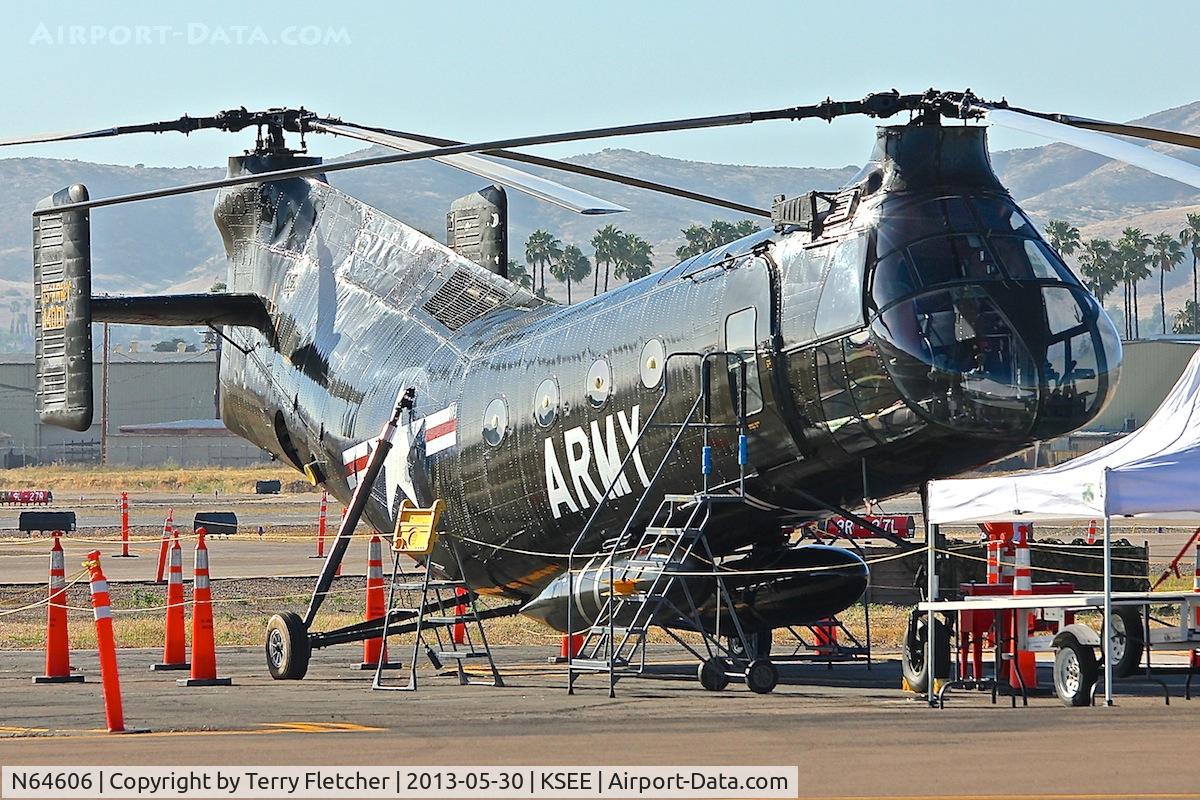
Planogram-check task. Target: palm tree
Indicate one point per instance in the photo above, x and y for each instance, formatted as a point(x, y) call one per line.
point(1167, 253)
point(636, 258)
point(1096, 262)
point(519, 275)
point(1190, 236)
point(1185, 319)
point(572, 266)
point(541, 248)
point(1064, 237)
point(1132, 248)
point(698, 240)
point(607, 243)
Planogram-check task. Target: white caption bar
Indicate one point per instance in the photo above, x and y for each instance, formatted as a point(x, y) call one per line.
point(201, 783)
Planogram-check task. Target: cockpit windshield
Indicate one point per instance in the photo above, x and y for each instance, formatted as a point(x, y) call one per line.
point(980, 322)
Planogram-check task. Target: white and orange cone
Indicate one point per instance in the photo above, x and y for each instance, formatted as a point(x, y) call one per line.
point(168, 529)
point(375, 650)
point(58, 651)
point(204, 645)
point(174, 633)
point(110, 678)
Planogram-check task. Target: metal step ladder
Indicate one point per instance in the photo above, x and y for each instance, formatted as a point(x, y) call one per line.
point(426, 601)
point(651, 587)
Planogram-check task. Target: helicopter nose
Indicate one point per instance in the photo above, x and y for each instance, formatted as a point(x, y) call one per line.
point(1010, 360)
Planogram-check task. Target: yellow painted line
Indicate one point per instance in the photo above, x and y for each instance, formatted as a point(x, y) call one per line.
point(17, 730)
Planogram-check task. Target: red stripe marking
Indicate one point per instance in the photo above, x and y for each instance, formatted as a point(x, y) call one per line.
point(358, 464)
point(442, 429)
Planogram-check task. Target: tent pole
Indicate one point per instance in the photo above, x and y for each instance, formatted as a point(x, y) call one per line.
point(1107, 648)
point(931, 535)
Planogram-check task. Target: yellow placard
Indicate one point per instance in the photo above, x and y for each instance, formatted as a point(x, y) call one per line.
point(54, 306)
point(416, 528)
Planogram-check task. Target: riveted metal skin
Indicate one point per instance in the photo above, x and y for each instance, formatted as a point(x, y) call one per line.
point(363, 306)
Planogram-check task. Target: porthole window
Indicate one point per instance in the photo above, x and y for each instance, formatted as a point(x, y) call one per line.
point(653, 361)
point(599, 383)
point(545, 403)
point(495, 421)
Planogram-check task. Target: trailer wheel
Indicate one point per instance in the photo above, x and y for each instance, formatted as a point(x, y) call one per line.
point(1127, 645)
point(287, 647)
point(912, 661)
point(1075, 672)
point(713, 674)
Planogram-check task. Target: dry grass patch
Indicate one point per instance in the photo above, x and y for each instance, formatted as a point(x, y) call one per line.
point(227, 480)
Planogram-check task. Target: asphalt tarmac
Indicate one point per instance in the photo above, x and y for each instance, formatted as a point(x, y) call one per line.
point(852, 732)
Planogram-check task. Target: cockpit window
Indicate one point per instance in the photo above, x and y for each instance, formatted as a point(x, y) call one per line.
point(954, 258)
point(1030, 259)
point(905, 223)
point(1001, 216)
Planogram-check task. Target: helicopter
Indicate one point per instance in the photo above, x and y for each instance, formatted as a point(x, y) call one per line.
point(907, 326)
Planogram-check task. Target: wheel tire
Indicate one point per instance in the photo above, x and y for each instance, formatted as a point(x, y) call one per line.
point(912, 661)
point(762, 641)
point(1075, 672)
point(712, 674)
point(1127, 641)
point(761, 676)
point(287, 647)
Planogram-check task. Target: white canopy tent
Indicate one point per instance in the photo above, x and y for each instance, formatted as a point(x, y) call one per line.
point(1153, 473)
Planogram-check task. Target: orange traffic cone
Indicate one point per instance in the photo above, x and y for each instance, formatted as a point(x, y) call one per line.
point(168, 527)
point(125, 528)
point(204, 646)
point(375, 650)
point(1024, 659)
point(58, 652)
point(175, 639)
point(459, 630)
point(110, 679)
point(321, 526)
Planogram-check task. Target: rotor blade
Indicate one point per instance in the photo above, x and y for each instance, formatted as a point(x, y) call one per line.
point(62, 136)
point(1119, 128)
point(580, 169)
point(1138, 156)
point(532, 185)
point(883, 104)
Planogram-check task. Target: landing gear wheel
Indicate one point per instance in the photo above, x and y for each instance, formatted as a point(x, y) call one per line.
point(761, 640)
point(287, 647)
point(1075, 672)
point(912, 661)
point(761, 676)
point(1127, 643)
point(712, 674)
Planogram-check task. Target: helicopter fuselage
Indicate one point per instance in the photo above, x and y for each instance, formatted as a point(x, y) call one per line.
point(921, 329)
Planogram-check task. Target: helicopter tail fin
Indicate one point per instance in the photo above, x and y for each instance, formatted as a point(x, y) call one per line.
point(62, 296)
point(64, 310)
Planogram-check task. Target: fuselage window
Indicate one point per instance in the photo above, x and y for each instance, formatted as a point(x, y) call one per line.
point(653, 362)
point(545, 403)
point(495, 421)
point(741, 337)
point(840, 307)
point(599, 383)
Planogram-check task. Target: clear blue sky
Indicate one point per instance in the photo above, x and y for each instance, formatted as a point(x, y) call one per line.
point(476, 70)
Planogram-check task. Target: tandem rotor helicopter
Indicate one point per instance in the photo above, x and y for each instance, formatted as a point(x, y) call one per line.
point(909, 325)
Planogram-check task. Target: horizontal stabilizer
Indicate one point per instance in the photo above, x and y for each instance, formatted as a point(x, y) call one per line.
point(184, 309)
